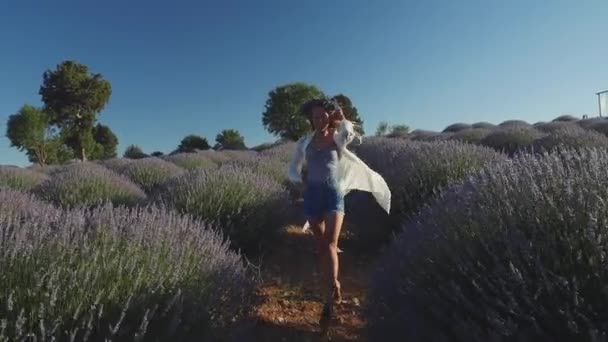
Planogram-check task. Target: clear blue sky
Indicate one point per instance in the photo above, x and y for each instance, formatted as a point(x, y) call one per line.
point(180, 67)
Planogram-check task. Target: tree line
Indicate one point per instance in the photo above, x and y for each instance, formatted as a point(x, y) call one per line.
point(67, 125)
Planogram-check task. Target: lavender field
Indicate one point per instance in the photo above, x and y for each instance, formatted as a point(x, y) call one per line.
point(498, 232)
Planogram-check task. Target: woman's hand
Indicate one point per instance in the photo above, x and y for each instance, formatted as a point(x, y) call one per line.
point(338, 115)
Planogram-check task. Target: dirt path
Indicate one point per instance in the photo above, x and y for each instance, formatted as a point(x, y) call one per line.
point(290, 306)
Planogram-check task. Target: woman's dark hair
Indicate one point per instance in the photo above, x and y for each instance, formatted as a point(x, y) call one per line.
point(329, 105)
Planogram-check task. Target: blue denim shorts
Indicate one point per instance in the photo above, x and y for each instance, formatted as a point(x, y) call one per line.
point(322, 198)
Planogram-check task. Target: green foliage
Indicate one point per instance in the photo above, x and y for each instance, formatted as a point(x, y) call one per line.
point(282, 115)
point(29, 130)
point(157, 154)
point(74, 97)
point(392, 131)
point(229, 139)
point(382, 129)
point(192, 143)
point(107, 142)
point(134, 152)
point(399, 131)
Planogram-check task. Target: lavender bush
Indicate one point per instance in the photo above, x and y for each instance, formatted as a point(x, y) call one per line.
point(570, 136)
point(116, 164)
point(238, 154)
point(515, 254)
point(20, 178)
point(282, 152)
point(482, 124)
point(429, 136)
point(248, 205)
point(24, 204)
point(471, 135)
point(190, 161)
point(274, 168)
point(589, 123)
point(565, 118)
point(415, 171)
point(548, 127)
point(600, 126)
point(457, 127)
point(512, 140)
point(150, 173)
point(87, 184)
point(514, 124)
point(117, 274)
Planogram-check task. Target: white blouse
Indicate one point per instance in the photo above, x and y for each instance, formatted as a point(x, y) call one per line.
point(353, 173)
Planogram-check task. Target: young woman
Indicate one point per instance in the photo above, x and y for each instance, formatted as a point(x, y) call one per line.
point(331, 172)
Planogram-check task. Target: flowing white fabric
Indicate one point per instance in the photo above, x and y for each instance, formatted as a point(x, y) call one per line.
point(352, 172)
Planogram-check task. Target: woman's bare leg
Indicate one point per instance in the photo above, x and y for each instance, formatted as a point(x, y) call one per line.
point(333, 227)
point(317, 226)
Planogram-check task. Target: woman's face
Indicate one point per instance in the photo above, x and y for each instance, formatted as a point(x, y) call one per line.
point(320, 118)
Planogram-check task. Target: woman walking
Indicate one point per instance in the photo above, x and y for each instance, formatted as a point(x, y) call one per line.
point(331, 172)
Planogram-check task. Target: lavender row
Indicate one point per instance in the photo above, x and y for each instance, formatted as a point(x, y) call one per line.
point(516, 252)
point(115, 273)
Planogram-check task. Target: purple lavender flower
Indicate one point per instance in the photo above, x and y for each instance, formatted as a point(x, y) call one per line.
point(89, 184)
point(249, 206)
point(111, 272)
point(20, 178)
point(515, 252)
point(190, 161)
point(414, 171)
point(150, 173)
point(512, 139)
point(471, 135)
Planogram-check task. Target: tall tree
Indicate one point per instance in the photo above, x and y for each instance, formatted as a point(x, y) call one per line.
point(74, 97)
point(134, 152)
point(229, 139)
point(191, 143)
point(29, 130)
point(282, 115)
point(399, 131)
point(106, 140)
point(350, 112)
point(382, 129)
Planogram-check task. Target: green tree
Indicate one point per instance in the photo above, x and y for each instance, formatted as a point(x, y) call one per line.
point(134, 152)
point(157, 154)
point(29, 130)
point(282, 115)
point(398, 131)
point(382, 129)
point(230, 139)
point(350, 112)
point(74, 97)
point(106, 141)
point(191, 143)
